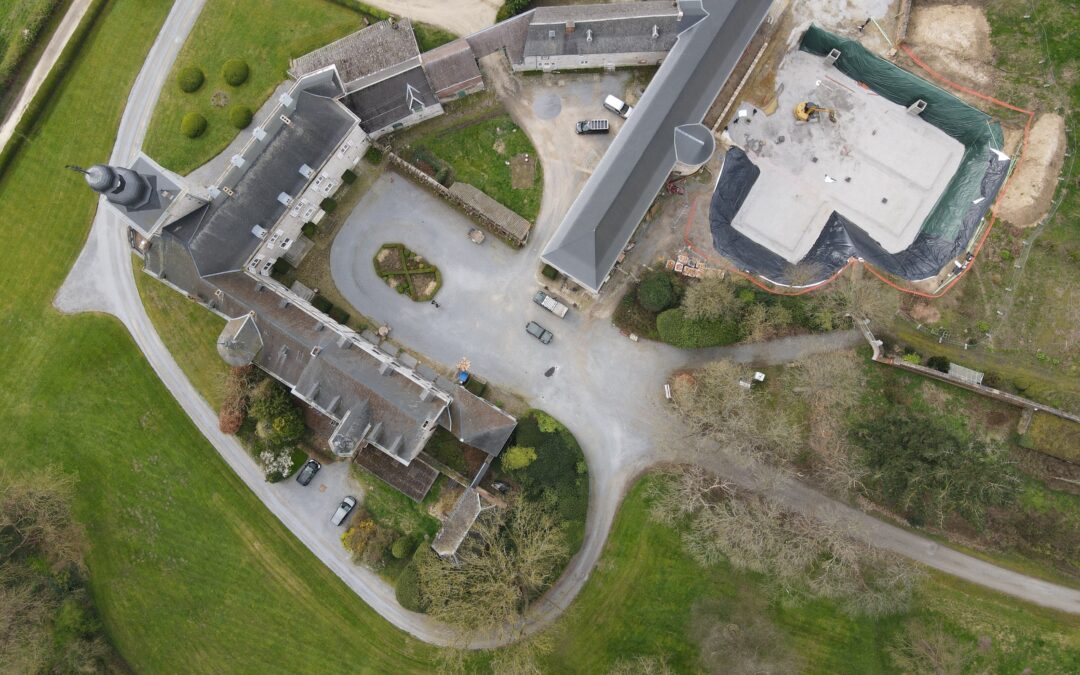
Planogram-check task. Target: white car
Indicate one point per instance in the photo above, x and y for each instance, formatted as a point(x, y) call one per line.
point(343, 511)
point(618, 106)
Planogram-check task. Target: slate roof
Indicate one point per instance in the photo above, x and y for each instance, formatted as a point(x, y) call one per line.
point(220, 236)
point(450, 65)
point(388, 101)
point(609, 208)
point(477, 423)
point(458, 523)
point(365, 52)
point(240, 341)
point(617, 28)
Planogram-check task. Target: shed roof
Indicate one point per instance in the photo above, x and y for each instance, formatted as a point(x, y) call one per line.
point(451, 64)
point(458, 523)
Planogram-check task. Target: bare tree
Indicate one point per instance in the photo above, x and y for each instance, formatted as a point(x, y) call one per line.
point(748, 644)
point(35, 515)
point(709, 298)
point(804, 272)
point(684, 491)
point(929, 649)
point(862, 296)
point(508, 558)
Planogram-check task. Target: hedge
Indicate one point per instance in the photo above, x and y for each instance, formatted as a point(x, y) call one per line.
point(190, 78)
point(322, 304)
point(549, 271)
point(339, 315)
point(235, 72)
point(675, 329)
point(407, 590)
point(511, 8)
point(240, 116)
point(656, 292)
point(193, 125)
point(348, 177)
point(328, 205)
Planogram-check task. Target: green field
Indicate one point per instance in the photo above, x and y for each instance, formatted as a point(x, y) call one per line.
point(188, 568)
point(266, 34)
point(647, 598)
point(23, 25)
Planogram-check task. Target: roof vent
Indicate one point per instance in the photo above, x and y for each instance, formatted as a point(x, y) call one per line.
point(286, 120)
point(315, 352)
point(655, 31)
point(588, 35)
point(551, 35)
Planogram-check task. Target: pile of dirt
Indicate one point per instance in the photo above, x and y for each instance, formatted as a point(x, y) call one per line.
point(1031, 189)
point(954, 40)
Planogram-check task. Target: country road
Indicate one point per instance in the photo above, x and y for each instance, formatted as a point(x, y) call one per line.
point(606, 394)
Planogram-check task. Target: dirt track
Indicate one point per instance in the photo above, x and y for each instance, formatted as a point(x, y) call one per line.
point(460, 16)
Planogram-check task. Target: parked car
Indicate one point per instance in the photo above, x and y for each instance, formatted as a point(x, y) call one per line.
point(501, 486)
point(343, 511)
point(539, 332)
point(618, 106)
point(592, 127)
point(550, 304)
point(307, 472)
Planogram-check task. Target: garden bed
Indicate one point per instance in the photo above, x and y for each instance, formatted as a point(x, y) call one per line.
point(407, 273)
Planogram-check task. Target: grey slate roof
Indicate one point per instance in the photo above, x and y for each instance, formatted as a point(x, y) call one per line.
point(220, 238)
point(509, 35)
point(614, 200)
point(365, 52)
point(450, 65)
point(458, 523)
point(240, 341)
point(477, 423)
point(617, 28)
point(391, 100)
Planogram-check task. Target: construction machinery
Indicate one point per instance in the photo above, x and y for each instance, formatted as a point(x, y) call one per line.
point(807, 110)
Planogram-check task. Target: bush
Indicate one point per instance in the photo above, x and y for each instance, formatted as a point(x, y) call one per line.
point(549, 272)
point(407, 589)
point(553, 474)
point(322, 304)
point(268, 400)
point(339, 315)
point(328, 205)
point(675, 329)
point(656, 292)
point(511, 8)
point(518, 457)
point(912, 358)
point(402, 548)
point(348, 177)
point(939, 363)
point(235, 72)
point(355, 539)
point(193, 125)
point(190, 78)
point(442, 176)
point(240, 116)
point(373, 155)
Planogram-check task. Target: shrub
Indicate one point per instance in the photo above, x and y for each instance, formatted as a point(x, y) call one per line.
point(355, 539)
point(518, 457)
point(940, 363)
point(287, 427)
point(190, 78)
point(193, 125)
point(240, 116)
point(235, 72)
point(402, 548)
point(549, 272)
point(511, 8)
point(547, 423)
point(339, 315)
point(268, 400)
point(442, 176)
point(322, 304)
point(373, 155)
point(912, 358)
point(675, 329)
point(407, 589)
point(656, 292)
point(348, 177)
point(552, 477)
point(992, 379)
point(235, 400)
point(328, 205)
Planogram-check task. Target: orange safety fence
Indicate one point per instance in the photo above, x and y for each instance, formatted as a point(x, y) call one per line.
point(978, 246)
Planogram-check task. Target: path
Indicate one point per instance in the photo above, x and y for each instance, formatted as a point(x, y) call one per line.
point(44, 65)
point(619, 381)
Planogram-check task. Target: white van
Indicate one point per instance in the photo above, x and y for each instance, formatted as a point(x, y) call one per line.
point(618, 106)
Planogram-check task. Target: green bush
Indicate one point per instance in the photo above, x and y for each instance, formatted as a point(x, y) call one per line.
point(322, 304)
point(403, 547)
point(348, 177)
point(912, 358)
point(656, 293)
point(339, 315)
point(193, 125)
point(309, 229)
point(553, 475)
point(190, 78)
point(675, 329)
point(268, 400)
point(240, 116)
point(235, 72)
point(511, 8)
point(517, 458)
point(373, 155)
point(549, 272)
point(442, 176)
point(328, 205)
point(407, 589)
point(940, 363)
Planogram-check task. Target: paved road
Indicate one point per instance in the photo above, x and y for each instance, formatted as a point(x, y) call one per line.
point(45, 63)
point(607, 389)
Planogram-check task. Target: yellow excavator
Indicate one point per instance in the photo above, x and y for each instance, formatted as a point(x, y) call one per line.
point(806, 111)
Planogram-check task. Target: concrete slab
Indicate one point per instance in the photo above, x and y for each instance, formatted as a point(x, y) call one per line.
point(877, 165)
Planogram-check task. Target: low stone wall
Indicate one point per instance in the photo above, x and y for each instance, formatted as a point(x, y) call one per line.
point(479, 217)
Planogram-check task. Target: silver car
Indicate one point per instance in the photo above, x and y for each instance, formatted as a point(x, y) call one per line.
point(343, 511)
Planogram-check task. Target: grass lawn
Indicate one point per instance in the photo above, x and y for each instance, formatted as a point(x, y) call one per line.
point(17, 55)
point(182, 556)
point(647, 598)
point(477, 154)
point(1054, 436)
point(266, 34)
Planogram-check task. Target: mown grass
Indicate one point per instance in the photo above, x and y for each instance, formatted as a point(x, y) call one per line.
point(19, 55)
point(191, 572)
point(648, 598)
point(266, 34)
point(478, 154)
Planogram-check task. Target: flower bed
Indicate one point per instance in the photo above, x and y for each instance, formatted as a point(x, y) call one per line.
point(407, 273)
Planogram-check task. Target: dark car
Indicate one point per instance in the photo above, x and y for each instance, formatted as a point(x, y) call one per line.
point(308, 471)
point(539, 332)
point(592, 127)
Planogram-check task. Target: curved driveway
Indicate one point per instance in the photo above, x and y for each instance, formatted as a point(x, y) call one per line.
point(606, 391)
